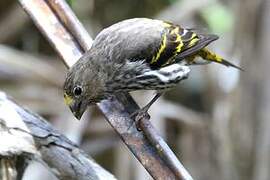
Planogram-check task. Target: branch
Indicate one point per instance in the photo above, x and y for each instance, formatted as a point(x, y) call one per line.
point(61, 27)
point(26, 134)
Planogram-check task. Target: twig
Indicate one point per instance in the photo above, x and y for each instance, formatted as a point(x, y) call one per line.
point(160, 163)
point(71, 22)
point(161, 146)
point(26, 134)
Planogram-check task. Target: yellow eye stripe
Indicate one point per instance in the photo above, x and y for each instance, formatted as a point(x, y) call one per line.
point(68, 100)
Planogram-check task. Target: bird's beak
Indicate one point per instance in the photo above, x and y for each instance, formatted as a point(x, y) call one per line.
point(76, 107)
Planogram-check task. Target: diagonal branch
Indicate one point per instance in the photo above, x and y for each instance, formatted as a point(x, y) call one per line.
point(26, 134)
point(61, 27)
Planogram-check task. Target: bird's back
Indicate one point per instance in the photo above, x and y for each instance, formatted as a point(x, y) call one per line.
point(156, 42)
point(136, 38)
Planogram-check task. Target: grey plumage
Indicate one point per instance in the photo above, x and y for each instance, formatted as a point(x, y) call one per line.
point(132, 55)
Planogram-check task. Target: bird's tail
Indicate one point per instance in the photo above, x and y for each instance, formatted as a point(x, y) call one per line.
point(210, 56)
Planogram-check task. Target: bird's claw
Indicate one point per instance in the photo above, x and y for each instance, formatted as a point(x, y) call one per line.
point(138, 116)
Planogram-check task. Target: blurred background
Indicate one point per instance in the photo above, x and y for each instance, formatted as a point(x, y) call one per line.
point(217, 121)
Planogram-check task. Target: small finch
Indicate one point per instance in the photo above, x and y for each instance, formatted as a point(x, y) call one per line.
point(136, 54)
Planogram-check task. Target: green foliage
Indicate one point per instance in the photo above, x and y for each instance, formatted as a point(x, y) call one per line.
point(70, 2)
point(218, 17)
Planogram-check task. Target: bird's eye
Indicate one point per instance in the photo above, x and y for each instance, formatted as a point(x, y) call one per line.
point(77, 91)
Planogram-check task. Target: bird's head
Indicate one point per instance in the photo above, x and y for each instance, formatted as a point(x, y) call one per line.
point(75, 100)
point(83, 86)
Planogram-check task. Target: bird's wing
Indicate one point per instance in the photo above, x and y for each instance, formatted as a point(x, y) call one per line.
point(179, 43)
point(156, 42)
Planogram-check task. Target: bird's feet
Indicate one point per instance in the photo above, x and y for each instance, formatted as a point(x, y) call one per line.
point(139, 115)
point(142, 113)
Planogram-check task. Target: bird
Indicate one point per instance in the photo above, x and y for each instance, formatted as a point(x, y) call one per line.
point(136, 54)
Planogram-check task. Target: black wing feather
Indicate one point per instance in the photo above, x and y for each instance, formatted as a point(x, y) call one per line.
point(178, 44)
point(203, 41)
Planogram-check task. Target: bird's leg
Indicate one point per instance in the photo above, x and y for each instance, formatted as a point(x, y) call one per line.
point(141, 113)
point(160, 79)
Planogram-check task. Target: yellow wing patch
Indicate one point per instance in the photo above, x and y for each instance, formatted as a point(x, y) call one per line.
point(193, 40)
point(178, 39)
point(180, 45)
point(161, 49)
point(171, 45)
